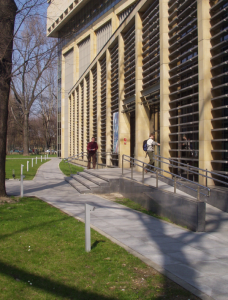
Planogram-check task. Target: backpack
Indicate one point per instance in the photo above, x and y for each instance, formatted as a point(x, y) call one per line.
point(145, 145)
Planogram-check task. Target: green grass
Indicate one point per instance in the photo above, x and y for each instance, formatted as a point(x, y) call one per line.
point(29, 156)
point(43, 257)
point(64, 167)
point(16, 165)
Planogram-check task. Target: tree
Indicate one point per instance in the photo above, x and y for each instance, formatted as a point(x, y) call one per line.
point(47, 107)
point(34, 54)
point(8, 11)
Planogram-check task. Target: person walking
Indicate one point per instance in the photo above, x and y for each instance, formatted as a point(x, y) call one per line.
point(92, 150)
point(150, 149)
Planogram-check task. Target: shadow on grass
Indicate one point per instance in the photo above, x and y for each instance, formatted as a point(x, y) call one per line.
point(94, 245)
point(47, 285)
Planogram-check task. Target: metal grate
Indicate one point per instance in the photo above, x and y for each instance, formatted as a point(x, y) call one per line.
point(151, 46)
point(103, 109)
point(184, 112)
point(129, 62)
point(219, 80)
point(87, 108)
point(94, 73)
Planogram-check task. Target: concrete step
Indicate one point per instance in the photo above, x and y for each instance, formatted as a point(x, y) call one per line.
point(82, 189)
point(97, 175)
point(93, 178)
point(84, 181)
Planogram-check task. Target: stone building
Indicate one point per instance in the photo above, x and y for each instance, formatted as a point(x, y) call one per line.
point(127, 68)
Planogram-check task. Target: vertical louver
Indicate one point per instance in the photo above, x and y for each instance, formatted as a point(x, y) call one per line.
point(87, 108)
point(82, 116)
point(103, 109)
point(129, 62)
point(114, 53)
point(70, 127)
point(183, 49)
point(219, 70)
point(77, 94)
point(73, 125)
point(151, 46)
point(94, 72)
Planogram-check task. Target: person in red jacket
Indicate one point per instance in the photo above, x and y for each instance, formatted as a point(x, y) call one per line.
point(92, 149)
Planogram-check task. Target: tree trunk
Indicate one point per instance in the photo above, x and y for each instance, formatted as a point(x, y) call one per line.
point(26, 134)
point(7, 17)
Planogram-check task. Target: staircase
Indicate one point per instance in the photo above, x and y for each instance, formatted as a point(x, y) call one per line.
point(86, 182)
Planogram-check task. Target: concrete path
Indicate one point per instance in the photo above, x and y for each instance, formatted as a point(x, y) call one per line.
point(197, 261)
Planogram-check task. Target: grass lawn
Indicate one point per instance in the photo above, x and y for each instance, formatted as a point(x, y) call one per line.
point(43, 257)
point(64, 167)
point(16, 165)
point(29, 156)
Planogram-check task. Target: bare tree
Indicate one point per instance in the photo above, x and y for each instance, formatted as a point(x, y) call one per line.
point(34, 54)
point(7, 19)
point(48, 115)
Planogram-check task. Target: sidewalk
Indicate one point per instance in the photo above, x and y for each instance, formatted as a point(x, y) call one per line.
point(197, 261)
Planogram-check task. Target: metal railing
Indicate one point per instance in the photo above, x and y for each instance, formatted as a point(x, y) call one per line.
point(175, 164)
point(83, 157)
point(145, 166)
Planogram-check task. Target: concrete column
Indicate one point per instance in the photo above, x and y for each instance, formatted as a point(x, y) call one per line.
point(164, 80)
point(115, 22)
point(141, 113)
point(205, 116)
point(99, 109)
point(91, 105)
point(124, 119)
point(108, 107)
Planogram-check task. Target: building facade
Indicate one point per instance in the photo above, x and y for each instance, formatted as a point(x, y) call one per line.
point(128, 68)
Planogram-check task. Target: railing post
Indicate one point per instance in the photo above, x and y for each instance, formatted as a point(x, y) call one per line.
point(131, 171)
point(198, 194)
point(97, 159)
point(88, 209)
point(206, 177)
point(175, 184)
point(143, 174)
point(156, 178)
point(122, 164)
point(188, 171)
point(22, 189)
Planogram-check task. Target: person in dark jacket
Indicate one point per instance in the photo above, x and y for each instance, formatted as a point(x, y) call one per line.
point(92, 150)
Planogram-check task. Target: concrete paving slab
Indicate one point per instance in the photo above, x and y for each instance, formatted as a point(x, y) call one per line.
point(199, 260)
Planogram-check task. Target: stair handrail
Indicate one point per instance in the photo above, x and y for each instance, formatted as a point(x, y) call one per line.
point(193, 167)
point(132, 159)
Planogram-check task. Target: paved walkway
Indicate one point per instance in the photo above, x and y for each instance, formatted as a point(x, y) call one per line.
point(195, 260)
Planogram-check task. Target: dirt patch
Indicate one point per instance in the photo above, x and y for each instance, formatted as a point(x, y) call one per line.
point(4, 200)
point(112, 196)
